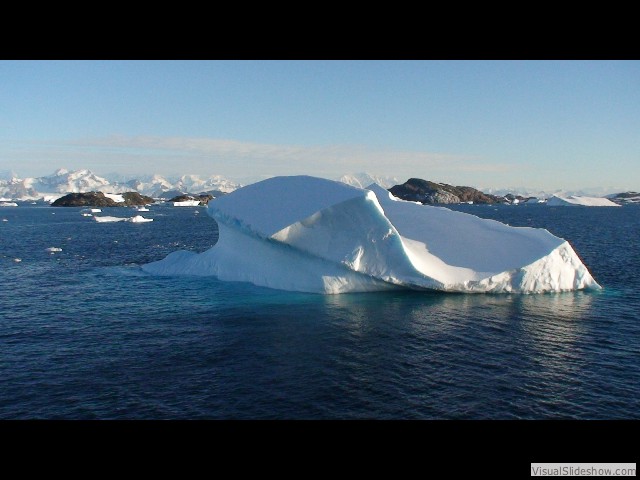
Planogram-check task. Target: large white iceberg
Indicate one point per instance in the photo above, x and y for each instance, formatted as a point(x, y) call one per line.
point(309, 234)
point(581, 201)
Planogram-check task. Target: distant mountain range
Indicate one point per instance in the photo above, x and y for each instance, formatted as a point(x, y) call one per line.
point(363, 180)
point(63, 181)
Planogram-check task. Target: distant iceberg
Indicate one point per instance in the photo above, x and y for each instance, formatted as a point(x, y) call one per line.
point(309, 234)
point(135, 219)
point(139, 219)
point(187, 203)
point(575, 200)
point(109, 219)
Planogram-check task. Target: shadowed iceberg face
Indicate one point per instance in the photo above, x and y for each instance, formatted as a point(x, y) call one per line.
point(309, 234)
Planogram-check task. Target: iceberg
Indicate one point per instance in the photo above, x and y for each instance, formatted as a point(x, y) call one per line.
point(575, 200)
point(139, 219)
point(135, 219)
point(310, 234)
point(187, 203)
point(109, 219)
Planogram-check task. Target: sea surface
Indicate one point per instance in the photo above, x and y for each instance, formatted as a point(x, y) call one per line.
point(85, 334)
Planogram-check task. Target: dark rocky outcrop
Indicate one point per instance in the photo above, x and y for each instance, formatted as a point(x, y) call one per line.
point(134, 199)
point(99, 199)
point(625, 198)
point(203, 198)
point(514, 198)
point(426, 192)
point(88, 199)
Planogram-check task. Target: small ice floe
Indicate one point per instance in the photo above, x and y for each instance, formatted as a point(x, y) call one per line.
point(17, 260)
point(5, 220)
point(108, 219)
point(136, 219)
point(142, 208)
point(139, 219)
point(8, 204)
point(53, 249)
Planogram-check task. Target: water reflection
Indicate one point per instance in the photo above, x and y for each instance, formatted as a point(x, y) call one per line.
point(437, 313)
point(554, 332)
point(492, 356)
point(553, 323)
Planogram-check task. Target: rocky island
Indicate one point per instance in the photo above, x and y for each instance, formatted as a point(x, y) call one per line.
point(202, 198)
point(99, 199)
point(426, 192)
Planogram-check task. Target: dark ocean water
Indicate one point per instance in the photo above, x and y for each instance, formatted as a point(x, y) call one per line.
point(84, 334)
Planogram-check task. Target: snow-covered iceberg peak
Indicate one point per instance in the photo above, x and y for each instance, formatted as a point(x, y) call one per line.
point(309, 234)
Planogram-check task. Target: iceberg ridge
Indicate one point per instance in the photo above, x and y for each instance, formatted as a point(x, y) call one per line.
point(309, 234)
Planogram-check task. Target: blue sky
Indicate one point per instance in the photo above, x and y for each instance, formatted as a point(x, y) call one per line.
point(540, 124)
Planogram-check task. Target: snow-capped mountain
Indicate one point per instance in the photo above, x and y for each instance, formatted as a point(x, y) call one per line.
point(17, 189)
point(194, 183)
point(363, 180)
point(151, 185)
point(63, 181)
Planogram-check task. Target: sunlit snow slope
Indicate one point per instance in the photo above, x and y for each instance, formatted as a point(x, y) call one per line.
point(574, 200)
point(314, 235)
